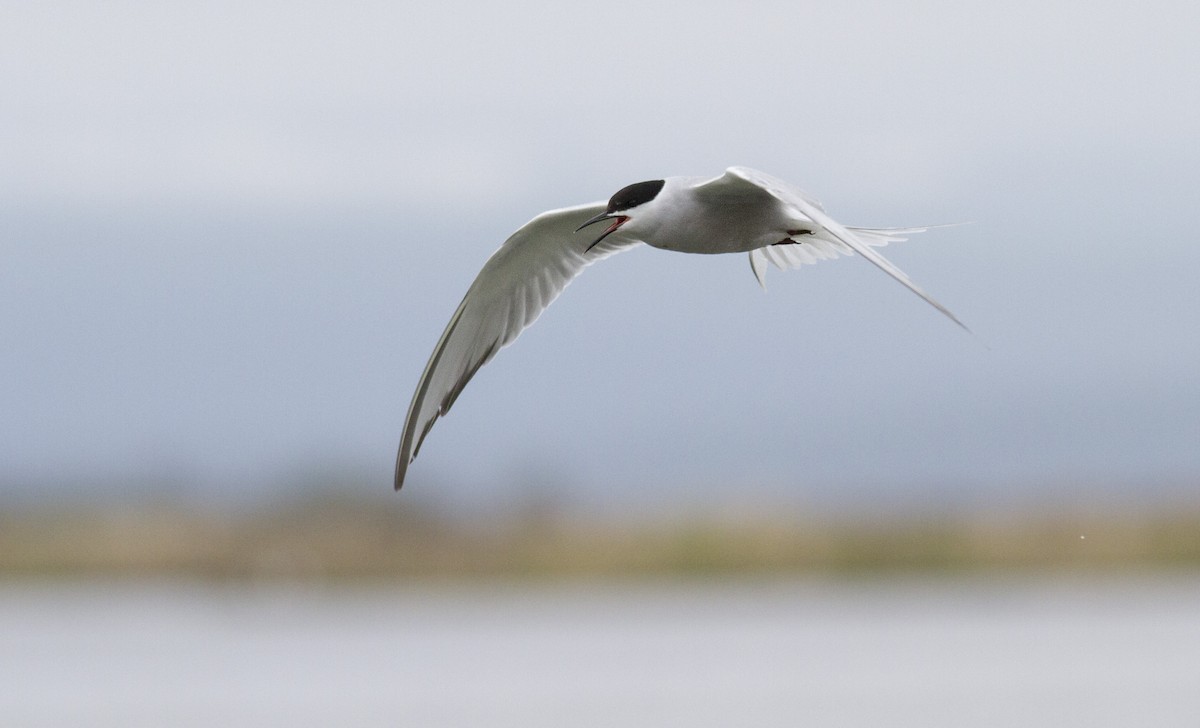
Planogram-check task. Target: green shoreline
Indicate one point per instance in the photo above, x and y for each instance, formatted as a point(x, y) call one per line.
point(336, 539)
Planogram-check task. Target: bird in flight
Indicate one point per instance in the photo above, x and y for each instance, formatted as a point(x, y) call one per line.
point(741, 211)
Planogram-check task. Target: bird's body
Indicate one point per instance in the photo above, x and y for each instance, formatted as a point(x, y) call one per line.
point(742, 211)
point(692, 217)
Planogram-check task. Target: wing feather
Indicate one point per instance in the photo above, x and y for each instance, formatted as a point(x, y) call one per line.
point(840, 239)
point(516, 284)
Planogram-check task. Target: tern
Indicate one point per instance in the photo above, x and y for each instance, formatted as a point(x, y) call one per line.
point(741, 211)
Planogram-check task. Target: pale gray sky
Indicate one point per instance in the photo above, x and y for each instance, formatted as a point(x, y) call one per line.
point(231, 233)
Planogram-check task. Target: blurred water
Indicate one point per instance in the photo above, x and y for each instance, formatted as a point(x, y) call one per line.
point(1047, 651)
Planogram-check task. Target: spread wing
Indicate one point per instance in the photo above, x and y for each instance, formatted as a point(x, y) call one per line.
point(831, 237)
point(516, 284)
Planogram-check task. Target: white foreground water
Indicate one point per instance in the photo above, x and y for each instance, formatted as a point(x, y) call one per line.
point(1044, 651)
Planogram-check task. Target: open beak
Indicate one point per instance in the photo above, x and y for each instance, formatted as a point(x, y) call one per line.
point(618, 221)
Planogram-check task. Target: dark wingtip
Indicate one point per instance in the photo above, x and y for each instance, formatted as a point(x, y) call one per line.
point(401, 468)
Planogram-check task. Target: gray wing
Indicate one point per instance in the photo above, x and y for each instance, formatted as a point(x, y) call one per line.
point(857, 241)
point(516, 284)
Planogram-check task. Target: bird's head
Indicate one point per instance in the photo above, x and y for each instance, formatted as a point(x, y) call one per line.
point(624, 206)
